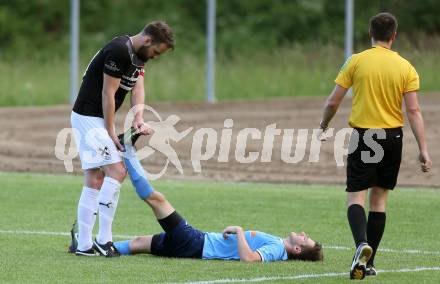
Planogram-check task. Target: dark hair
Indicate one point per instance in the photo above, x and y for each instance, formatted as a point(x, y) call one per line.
point(314, 253)
point(160, 32)
point(383, 26)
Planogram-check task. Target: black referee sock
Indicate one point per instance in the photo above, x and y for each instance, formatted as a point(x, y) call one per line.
point(375, 229)
point(358, 223)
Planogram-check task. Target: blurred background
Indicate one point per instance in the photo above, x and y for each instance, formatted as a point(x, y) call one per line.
point(264, 48)
point(276, 61)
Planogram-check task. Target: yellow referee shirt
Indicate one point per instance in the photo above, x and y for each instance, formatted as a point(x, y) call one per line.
point(379, 77)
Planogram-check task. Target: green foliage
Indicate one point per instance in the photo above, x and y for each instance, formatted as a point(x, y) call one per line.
point(40, 28)
point(300, 70)
point(33, 202)
point(265, 48)
point(28, 28)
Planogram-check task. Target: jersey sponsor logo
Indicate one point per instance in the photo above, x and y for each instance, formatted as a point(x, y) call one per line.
point(111, 65)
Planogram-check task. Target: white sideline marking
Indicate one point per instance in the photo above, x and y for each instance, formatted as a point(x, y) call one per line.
point(410, 251)
point(47, 233)
point(306, 276)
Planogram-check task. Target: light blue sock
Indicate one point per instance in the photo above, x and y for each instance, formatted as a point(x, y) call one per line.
point(123, 247)
point(137, 174)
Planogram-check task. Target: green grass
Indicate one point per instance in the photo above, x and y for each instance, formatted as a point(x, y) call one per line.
point(35, 202)
point(285, 72)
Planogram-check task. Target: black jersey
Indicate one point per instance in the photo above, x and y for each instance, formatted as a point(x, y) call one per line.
point(116, 59)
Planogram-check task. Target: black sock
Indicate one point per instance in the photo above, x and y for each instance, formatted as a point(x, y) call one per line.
point(170, 222)
point(375, 229)
point(358, 223)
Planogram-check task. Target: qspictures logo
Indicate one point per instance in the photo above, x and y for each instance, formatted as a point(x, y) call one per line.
point(207, 142)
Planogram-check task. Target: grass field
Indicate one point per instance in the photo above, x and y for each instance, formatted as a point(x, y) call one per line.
point(177, 76)
point(37, 211)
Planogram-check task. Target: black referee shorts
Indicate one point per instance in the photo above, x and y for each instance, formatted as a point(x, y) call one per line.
point(365, 168)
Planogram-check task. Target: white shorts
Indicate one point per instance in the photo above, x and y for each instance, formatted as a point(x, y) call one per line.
point(95, 147)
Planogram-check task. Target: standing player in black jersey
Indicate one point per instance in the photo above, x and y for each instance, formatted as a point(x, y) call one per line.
point(114, 71)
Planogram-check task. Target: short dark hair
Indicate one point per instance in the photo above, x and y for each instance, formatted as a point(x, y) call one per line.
point(314, 253)
point(383, 26)
point(160, 32)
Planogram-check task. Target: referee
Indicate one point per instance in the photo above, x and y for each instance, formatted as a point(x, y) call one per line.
point(381, 79)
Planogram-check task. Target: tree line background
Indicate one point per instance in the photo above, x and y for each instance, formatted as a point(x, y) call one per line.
point(265, 48)
point(40, 28)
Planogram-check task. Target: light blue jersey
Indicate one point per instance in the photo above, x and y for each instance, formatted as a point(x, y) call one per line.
point(270, 248)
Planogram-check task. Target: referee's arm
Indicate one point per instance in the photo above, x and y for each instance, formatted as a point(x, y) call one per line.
point(332, 105)
point(418, 128)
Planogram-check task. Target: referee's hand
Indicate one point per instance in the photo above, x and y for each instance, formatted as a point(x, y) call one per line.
point(425, 161)
point(322, 133)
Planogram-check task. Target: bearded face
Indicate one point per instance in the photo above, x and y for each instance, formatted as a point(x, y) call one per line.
point(143, 53)
point(151, 51)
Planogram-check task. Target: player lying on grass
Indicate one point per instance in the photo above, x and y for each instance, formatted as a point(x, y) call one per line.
point(180, 239)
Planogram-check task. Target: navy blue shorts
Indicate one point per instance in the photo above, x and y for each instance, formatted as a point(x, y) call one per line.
point(181, 241)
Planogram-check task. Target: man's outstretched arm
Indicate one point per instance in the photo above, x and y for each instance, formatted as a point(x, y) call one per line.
point(332, 105)
point(244, 251)
point(138, 98)
point(416, 122)
point(109, 88)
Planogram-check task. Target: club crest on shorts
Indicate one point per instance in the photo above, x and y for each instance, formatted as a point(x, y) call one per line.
point(105, 153)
